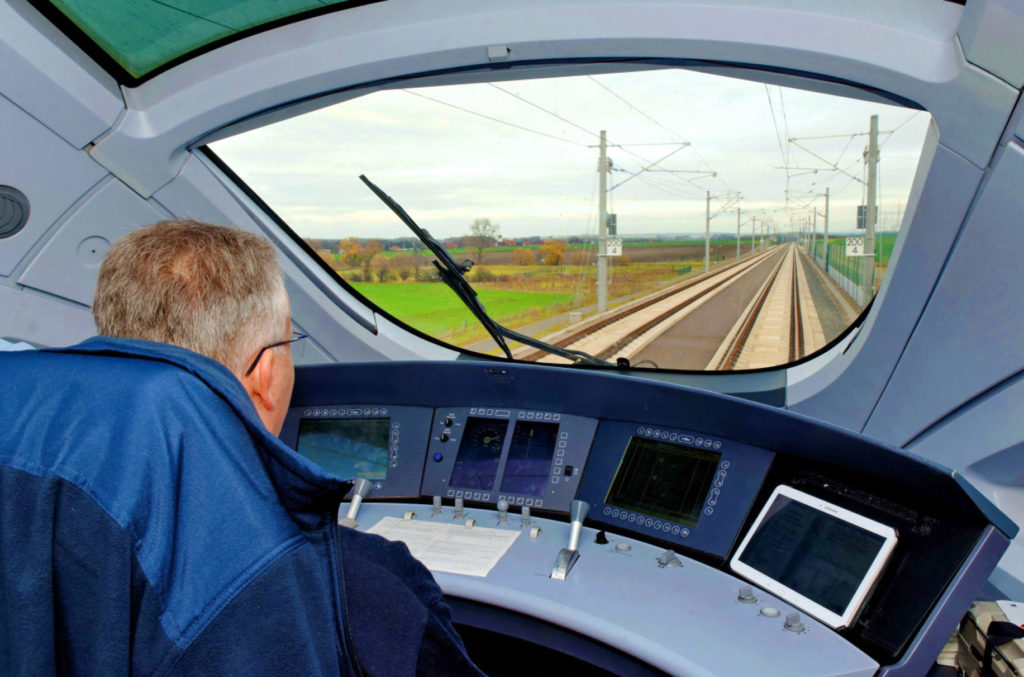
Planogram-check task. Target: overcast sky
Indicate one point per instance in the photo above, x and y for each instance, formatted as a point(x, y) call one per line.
point(524, 155)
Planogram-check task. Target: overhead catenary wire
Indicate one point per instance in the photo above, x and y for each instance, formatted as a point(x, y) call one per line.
point(494, 119)
point(623, 147)
point(662, 126)
point(541, 108)
point(537, 132)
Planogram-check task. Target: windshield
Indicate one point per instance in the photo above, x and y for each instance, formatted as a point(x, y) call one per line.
point(736, 225)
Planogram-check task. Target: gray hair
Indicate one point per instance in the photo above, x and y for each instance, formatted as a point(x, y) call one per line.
point(214, 290)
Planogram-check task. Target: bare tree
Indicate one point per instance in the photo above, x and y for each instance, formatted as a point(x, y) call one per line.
point(404, 265)
point(482, 234)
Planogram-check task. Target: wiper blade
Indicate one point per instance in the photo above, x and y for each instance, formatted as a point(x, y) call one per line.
point(452, 275)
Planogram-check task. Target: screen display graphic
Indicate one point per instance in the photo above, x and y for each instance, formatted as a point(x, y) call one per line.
point(349, 448)
point(664, 480)
point(812, 553)
point(477, 462)
point(528, 467)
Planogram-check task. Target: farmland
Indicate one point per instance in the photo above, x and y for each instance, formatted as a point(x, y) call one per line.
point(517, 295)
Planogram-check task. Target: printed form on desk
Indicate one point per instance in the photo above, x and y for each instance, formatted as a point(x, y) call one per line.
point(451, 548)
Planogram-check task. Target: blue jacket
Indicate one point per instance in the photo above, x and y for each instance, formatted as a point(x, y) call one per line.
point(149, 524)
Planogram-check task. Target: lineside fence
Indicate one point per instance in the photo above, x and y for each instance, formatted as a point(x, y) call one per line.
point(847, 271)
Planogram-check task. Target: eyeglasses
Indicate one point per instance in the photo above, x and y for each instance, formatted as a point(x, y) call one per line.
point(296, 336)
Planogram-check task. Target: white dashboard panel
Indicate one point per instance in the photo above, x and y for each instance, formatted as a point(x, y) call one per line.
point(669, 617)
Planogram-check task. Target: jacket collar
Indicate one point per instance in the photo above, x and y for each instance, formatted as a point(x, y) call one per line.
point(303, 488)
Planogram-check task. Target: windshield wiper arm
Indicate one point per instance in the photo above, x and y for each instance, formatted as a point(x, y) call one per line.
point(452, 275)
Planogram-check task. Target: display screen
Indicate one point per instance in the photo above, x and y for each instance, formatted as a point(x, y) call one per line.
point(477, 462)
point(665, 480)
point(528, 468)
point(346, 447)
point(820, 556)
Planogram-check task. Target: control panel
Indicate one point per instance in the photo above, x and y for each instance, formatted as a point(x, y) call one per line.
point(522, 456)
point(381, 444)
point(567, 479)
point(672, 484)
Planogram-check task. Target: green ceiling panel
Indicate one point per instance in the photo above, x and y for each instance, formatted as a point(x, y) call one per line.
point(143, 35)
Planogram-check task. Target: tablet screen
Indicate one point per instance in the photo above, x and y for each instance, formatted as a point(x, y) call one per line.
point(814, 554)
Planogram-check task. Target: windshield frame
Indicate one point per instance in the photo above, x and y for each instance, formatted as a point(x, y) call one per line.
point(797, 79)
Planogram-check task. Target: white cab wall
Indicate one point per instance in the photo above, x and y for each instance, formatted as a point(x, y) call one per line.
point(55, 106)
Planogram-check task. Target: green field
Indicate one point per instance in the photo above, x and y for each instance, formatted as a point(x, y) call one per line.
point(434, 309)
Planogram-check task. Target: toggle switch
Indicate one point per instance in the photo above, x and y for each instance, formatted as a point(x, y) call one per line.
point(794, 623)
point(746, 595)
point(669, 559)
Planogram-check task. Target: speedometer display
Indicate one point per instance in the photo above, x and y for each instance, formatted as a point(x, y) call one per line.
point(477, 463)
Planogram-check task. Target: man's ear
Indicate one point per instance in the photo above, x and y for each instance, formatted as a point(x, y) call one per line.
point(266, 388)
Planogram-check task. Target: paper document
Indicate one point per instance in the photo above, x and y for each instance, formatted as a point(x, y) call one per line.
point(1014, 611)
point(451, 548)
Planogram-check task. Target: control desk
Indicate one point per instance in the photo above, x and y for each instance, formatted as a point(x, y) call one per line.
point(645, 528)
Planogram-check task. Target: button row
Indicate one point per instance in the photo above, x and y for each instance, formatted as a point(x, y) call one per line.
point(649, 522)
point(521, 500)
point(540, 416)
point(481, 411)
point(393, 463)
point(376, 411)
point(656, 433)
point(471, 495)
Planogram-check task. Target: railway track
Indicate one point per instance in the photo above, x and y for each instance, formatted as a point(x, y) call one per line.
point(779, 325)
point(612, 334)
point(778, 322)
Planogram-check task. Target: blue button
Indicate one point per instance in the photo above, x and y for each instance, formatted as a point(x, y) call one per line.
point(438, 458)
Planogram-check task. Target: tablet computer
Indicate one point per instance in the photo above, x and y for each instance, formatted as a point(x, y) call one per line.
point(815, 555)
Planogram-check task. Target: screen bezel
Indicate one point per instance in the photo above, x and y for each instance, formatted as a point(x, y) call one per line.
point(695, 454)
point(350, 419)
point(826, 616)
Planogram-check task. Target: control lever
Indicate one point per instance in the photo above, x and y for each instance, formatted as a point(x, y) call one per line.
point(567, 556)
point(502, 511)
point(360, 489)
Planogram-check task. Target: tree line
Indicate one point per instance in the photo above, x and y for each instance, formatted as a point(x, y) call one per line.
point(370, 263)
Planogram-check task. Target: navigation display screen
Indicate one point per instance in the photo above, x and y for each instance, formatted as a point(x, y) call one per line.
point(528, 468)
point(477, 462)
point(665, 480)
point(346, 447)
